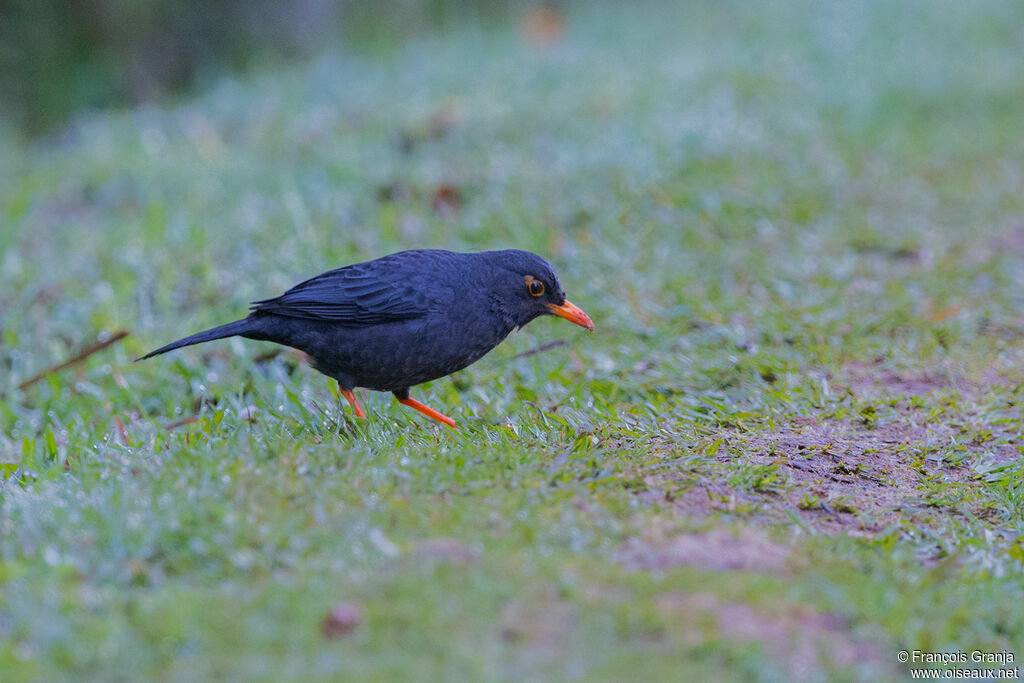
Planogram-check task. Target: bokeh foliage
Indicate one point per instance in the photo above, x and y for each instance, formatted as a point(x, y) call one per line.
point(60, 56)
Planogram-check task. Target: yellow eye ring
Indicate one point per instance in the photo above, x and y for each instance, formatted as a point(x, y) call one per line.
point(534, 286)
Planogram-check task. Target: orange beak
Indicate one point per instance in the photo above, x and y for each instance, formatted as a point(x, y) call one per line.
point(572, 313)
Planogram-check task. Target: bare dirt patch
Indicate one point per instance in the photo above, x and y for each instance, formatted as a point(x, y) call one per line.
point(874, 379)
point(856, 476)
point(805, 644)
point(870, 379)
point(714, 550)
point(841, 476)
point(541, 625)
point(911, 447)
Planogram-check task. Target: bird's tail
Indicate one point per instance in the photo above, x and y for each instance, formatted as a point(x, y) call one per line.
point(230, 330)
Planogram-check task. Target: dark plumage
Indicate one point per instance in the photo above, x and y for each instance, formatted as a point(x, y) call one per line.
point(406, 318)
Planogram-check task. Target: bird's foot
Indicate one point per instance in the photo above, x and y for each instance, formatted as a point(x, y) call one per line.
point(429, 412)
point(351, 398)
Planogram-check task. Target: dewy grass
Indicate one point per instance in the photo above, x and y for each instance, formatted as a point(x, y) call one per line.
point(797, 229)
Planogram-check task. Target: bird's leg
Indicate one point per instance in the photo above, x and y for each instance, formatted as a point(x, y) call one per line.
point(403, 398)
point(351, 398)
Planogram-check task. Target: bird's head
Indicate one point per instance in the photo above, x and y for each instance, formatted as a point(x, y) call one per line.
point(526, 287)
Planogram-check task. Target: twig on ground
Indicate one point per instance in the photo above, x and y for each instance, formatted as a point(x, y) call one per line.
point(181, 423)
point(78, 358)
point(120, 428)
point(543, 347)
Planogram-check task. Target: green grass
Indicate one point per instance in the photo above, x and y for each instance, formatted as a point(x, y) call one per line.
point(782, 219)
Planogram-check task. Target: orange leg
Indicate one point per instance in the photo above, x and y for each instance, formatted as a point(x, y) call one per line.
point(351, 398)
point(429, 412)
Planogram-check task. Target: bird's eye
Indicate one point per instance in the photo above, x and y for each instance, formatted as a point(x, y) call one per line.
point(535, 286)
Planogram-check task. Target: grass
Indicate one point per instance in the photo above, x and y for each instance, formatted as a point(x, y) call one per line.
point(797, 229)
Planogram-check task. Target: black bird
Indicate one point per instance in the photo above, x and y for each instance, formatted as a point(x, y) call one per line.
point(405, 318)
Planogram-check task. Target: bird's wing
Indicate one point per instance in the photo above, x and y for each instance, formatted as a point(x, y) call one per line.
point(369, 293)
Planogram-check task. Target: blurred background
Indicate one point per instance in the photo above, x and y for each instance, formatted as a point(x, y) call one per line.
point(59, 56)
